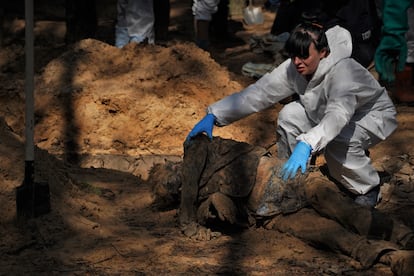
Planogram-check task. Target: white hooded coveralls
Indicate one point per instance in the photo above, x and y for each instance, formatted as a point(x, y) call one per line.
point(135, 22)
point(342, 110)
point(204, 9)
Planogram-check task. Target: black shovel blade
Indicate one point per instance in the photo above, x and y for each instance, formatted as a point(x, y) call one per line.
point(32, 199)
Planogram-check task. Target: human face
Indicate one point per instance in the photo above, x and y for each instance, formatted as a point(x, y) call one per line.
point(307, 66)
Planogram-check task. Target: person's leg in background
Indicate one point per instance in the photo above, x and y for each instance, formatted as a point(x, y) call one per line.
point(219, 23)
point(121, 30)
point(140, 21)
point(290, 13)
point(203, 11)
point(161, 19)
point(81, 20)
point(135, 22)
point(285, 18)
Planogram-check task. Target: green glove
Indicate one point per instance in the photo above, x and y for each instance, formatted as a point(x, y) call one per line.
point(390, 56)
point(391, 53)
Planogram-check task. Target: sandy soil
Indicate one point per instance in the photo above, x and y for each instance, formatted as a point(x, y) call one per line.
point(103, 117)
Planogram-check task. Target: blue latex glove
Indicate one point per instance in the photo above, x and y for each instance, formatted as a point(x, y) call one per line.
point(299, 158)
point(205, 125)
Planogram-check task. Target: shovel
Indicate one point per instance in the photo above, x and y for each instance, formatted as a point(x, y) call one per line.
point(32, 199)
point(253, 15)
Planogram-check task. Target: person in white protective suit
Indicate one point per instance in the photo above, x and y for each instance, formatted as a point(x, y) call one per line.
point(135, 22)
point(341, 109)
point(203, 11)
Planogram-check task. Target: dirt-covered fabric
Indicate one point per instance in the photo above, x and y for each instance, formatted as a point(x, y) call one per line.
point(329, 201)
point(231, 177)
point(220, 165)
point(338, 223)
point(320, 231)
point(271, 195)
point(216, 173)
point(235, 178)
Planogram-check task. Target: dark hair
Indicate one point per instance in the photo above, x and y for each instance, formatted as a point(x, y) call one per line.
point(301, 38)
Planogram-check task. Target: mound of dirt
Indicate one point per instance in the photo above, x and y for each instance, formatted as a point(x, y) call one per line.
point(138, 100)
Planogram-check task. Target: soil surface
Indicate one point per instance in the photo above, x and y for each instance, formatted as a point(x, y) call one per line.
point(103, 117)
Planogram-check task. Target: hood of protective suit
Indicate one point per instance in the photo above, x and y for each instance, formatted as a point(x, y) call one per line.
point(340, 44)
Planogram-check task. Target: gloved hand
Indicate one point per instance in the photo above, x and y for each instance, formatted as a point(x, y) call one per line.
point(299, 158)
point(391, 53)
point(205, 125)
point(390, 56)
